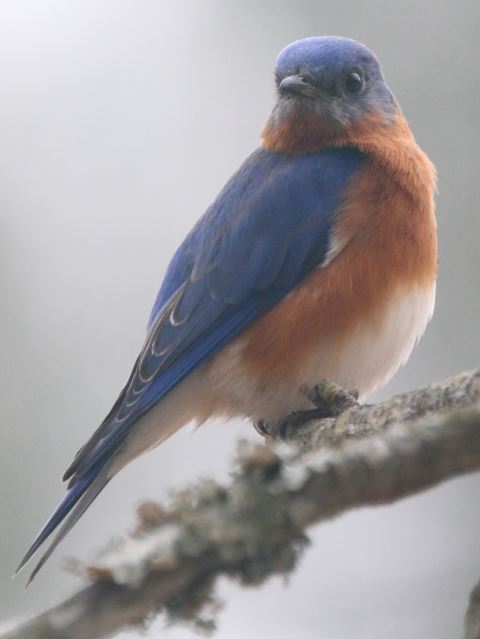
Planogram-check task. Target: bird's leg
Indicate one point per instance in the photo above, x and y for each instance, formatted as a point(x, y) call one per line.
point(329, 399)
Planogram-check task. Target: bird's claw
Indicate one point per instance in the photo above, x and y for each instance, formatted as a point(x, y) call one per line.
point(329, 399)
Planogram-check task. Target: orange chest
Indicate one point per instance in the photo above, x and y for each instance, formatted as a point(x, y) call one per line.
point(385, 239)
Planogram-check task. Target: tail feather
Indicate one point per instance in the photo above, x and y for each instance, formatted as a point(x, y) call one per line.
point(88, 497)
point(74, 504)
point(97, 464)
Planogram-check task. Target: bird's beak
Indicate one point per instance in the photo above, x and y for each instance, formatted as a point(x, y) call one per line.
point(297, 85)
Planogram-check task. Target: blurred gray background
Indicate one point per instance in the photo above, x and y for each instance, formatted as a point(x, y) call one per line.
point(119, 122)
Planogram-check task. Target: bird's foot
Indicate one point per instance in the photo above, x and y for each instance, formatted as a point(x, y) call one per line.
point(329, 399)
point(279, 430)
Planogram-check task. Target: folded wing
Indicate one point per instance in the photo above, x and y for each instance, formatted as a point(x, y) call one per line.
point(268, 228)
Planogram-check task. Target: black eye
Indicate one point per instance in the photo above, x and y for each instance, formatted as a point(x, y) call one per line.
point(354, 83)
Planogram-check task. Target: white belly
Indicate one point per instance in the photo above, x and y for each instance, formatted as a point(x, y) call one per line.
point(370, 358)
point(364, 361)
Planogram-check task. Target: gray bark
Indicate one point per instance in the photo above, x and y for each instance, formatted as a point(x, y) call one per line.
point(255, 527)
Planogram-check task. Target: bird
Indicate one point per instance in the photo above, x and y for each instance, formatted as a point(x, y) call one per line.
point(317, 260)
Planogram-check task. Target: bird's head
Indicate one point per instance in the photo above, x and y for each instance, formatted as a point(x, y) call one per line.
point(326, 86)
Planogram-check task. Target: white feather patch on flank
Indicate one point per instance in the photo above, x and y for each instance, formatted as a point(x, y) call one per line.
point(336, 244)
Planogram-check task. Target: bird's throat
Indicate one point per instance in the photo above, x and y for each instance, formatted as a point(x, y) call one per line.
point(300, 130)
point(297, 129)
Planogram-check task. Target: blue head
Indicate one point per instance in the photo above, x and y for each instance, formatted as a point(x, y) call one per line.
point(336, 81)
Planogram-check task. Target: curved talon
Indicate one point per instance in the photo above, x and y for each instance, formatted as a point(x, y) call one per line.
point(262, 427)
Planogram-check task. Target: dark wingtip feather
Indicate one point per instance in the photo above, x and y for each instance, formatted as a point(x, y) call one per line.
point(78, 498)
point(88, 496)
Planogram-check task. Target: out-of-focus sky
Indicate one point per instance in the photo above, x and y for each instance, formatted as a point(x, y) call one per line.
point(120, 121)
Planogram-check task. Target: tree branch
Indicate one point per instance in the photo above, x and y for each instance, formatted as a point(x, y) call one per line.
point(358, 421)
point(255, 527)
point(472, 616)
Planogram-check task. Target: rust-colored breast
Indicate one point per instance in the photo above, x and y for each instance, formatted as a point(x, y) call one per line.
point(388, 231)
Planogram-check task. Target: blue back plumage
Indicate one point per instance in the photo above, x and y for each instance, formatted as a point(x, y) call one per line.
point(268, 228)
point(245, 234)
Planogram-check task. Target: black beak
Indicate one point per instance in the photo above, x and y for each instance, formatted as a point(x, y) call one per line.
point(297, 85)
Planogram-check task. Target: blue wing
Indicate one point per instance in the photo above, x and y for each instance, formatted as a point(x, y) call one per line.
point(268, 228)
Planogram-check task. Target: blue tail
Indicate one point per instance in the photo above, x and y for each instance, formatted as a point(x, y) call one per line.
point(73, 505)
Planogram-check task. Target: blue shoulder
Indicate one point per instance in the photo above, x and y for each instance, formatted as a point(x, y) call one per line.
point(268, 197)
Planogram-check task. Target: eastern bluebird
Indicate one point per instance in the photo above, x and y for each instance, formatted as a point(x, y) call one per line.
point(317, 260)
